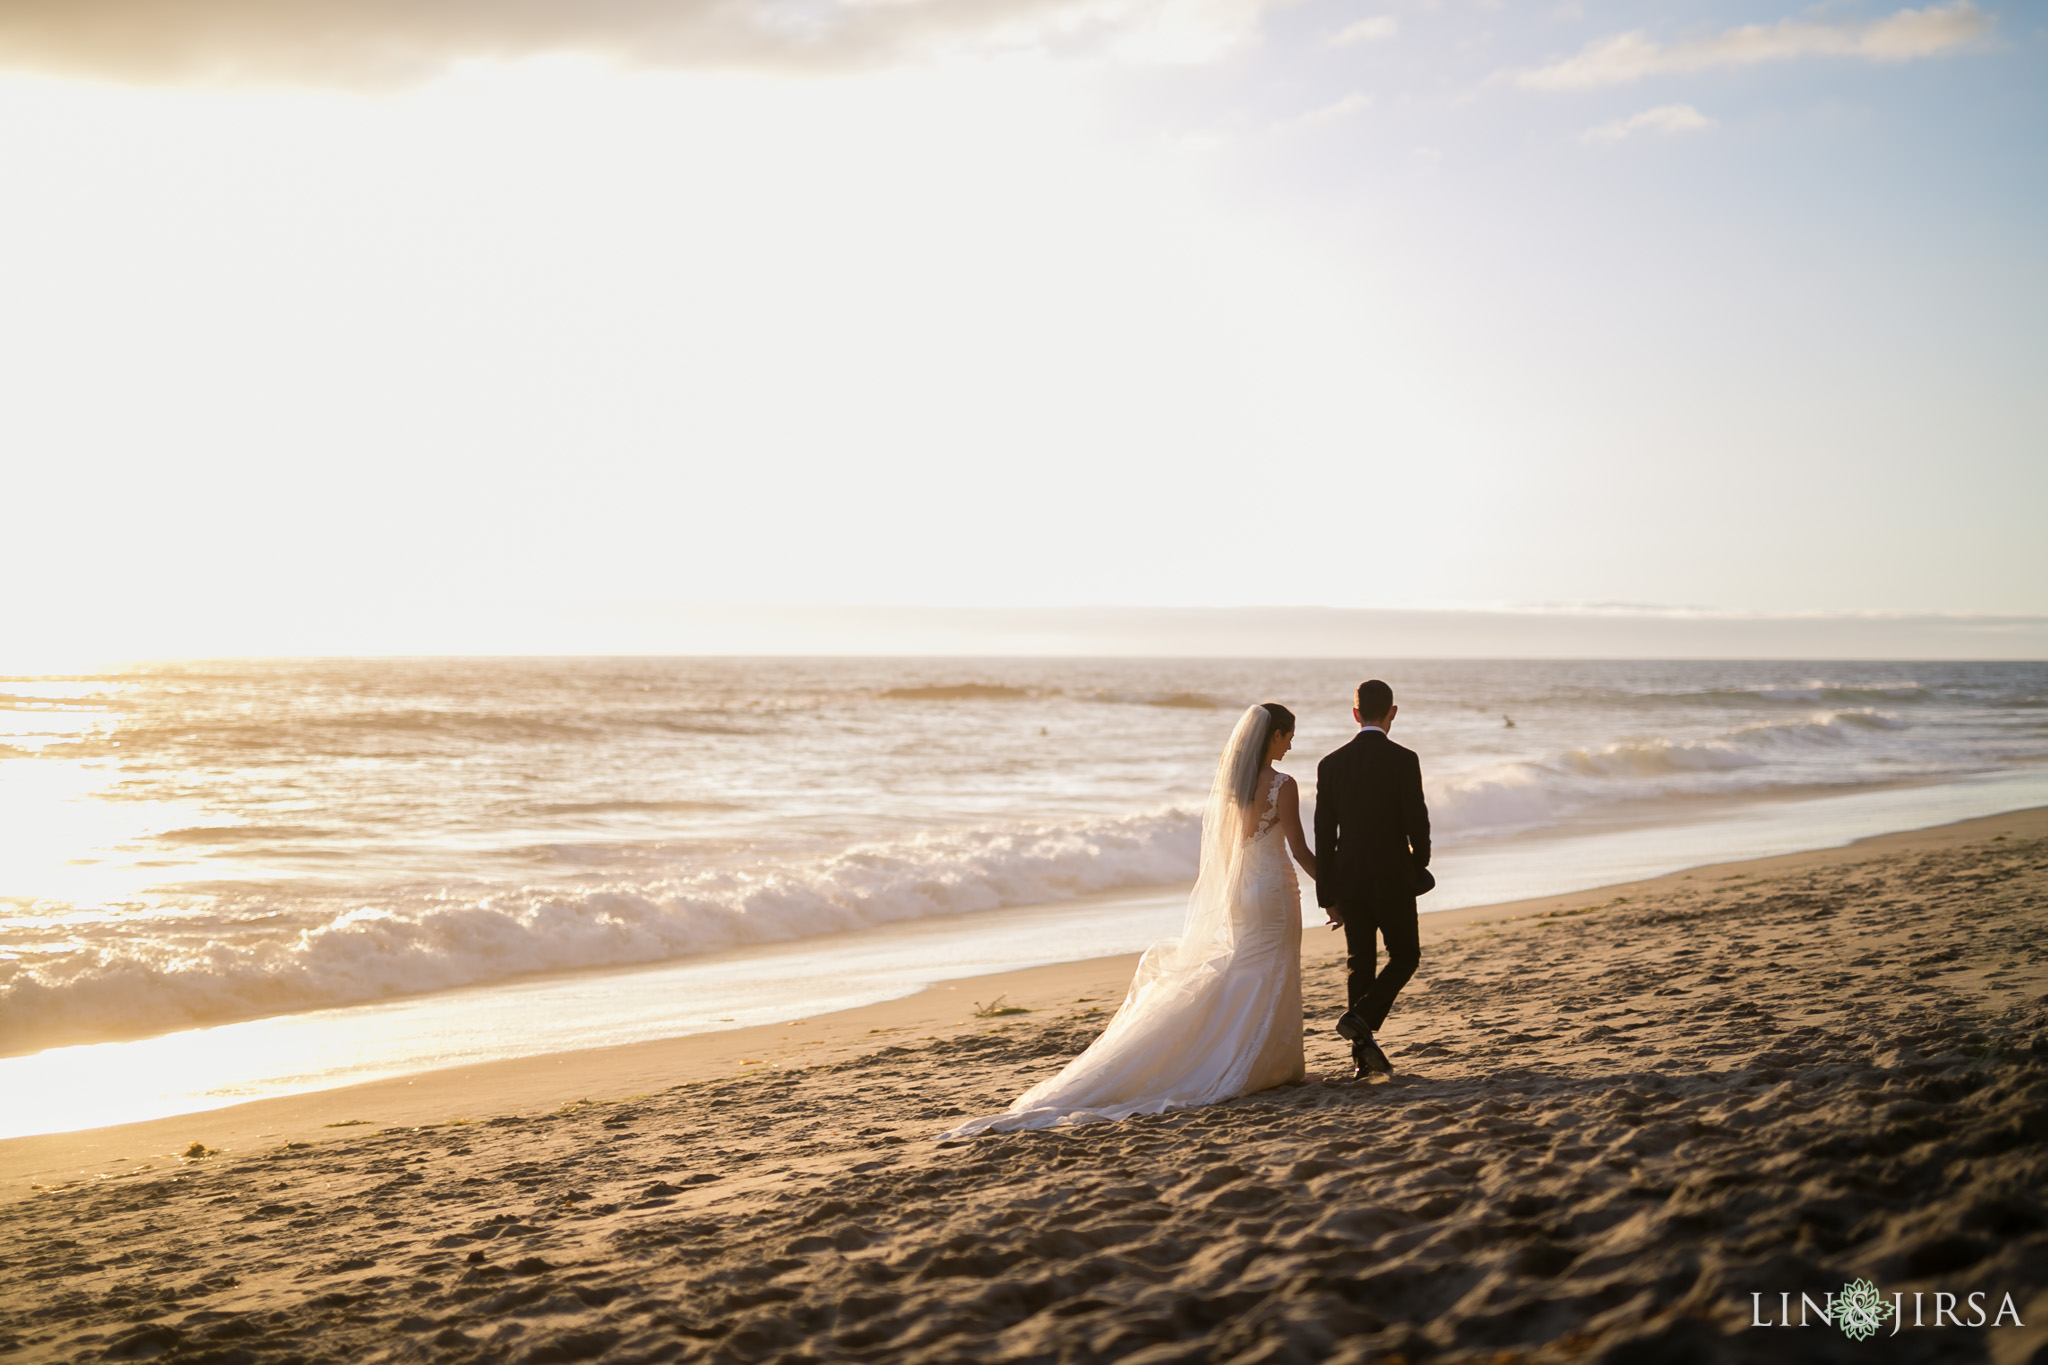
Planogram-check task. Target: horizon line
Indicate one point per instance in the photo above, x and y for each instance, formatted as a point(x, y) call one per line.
point(594, 630)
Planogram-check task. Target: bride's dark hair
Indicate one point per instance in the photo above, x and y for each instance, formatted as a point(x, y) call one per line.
point(1251, 759)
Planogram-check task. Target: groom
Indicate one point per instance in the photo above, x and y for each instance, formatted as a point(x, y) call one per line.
point(1372, 861)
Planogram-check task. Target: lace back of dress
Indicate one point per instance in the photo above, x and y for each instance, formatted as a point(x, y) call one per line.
point(1271, 816)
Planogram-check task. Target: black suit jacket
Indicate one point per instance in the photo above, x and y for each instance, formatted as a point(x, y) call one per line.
point(1372, 828)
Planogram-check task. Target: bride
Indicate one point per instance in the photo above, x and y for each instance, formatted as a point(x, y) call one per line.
point(1217, 1011)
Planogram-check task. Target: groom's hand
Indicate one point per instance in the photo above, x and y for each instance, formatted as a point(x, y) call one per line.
point(1331, 919)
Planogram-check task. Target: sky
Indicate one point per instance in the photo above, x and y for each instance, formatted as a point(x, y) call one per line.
point(347, 324)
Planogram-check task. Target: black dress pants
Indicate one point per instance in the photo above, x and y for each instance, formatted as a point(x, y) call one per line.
point(1372, 988)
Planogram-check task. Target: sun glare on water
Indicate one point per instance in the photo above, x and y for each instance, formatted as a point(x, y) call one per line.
point(67, 836)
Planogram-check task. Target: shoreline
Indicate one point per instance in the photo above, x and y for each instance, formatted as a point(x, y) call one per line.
point(549, 1081)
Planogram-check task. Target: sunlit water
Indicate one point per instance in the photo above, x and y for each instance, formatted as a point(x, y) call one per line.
point(226, 881)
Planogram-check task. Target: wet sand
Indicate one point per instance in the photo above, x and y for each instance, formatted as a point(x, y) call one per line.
point(1617, 1115)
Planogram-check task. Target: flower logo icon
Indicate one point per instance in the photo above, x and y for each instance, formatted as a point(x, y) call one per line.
point(1860, 1309)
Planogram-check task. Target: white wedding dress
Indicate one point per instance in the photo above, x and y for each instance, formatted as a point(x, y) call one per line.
point(1216, 1012)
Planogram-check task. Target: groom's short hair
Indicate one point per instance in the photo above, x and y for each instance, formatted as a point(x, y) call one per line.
point(1375, 699)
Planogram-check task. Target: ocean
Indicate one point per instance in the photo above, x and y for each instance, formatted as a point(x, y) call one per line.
point(226, 880)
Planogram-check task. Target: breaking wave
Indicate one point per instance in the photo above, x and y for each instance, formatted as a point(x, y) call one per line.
point(1814, 693)
point(1534, 793)
point(957, 692)
point(136, 985)
point(972, 691)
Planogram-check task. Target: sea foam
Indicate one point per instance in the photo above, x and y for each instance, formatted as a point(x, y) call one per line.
point(414, 942)
point(1537, 792)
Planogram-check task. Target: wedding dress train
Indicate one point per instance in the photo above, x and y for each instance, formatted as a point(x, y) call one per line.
point(1216, 1012)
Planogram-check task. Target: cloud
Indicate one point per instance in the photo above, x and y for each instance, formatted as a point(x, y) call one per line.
point(398, 42)
point(1903, 37)
point(1373, 30)
point(1665, 118)
point(1350, 104)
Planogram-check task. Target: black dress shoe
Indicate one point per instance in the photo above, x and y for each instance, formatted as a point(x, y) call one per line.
point(1352, 1028)
point(1366, 1053)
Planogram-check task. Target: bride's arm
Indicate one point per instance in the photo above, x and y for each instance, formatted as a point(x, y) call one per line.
point(1290, 822)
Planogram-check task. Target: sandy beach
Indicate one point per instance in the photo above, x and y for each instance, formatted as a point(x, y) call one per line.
point(1618, 1116)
